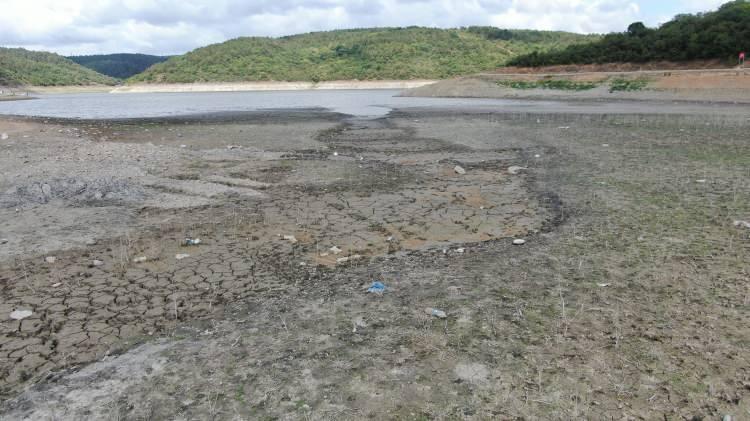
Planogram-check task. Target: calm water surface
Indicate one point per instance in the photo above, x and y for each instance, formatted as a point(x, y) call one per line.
point(359, 103)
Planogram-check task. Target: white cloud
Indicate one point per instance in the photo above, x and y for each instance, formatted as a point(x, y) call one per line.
point(176, 26)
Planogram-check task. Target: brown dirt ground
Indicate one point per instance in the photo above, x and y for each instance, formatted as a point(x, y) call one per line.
point(630, 299)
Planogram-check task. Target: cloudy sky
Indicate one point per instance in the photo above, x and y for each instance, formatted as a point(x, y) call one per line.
point(177, 26)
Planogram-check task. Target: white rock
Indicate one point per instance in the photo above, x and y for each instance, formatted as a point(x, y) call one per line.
point(459, 170)
point(181, 256)
point(440, 314)
point(348, 258)
point(97, 263)
point(50, 259)
point(21, 314)
point(519, 242)
point(4, 136)
point(515, 169)
point(141, 259)
point(292, 239)
point(335, 250)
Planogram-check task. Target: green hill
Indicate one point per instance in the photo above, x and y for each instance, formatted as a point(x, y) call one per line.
point(121, 66)
point(364, 54)
point(715, 35)
point(23, 67)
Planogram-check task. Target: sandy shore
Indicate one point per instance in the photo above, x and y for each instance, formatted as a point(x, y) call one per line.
point(271, 86)
point(727, 85)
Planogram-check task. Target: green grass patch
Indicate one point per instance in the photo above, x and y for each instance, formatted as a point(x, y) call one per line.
point(560, 85)
point(624, 85)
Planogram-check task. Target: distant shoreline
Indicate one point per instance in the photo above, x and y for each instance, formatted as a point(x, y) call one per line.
point(269, 86)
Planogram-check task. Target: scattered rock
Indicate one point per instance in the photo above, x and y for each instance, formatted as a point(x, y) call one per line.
point(181, 256)
point(50, 259)
point(4, 136)
point(292, 239)
point(519, 242)
point(21, 314)
point(459, 170)
point(440, 314)
point(515, 169)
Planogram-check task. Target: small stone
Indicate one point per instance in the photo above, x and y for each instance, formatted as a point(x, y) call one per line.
point(440, 314)
point(335, 250)
point(519, 242)
point(515, 169)
point(4, 136)
point(348, 258)
point(50, 259)
point(97, 263)
point(181, 256)
point(21, 314)
point(459, 170)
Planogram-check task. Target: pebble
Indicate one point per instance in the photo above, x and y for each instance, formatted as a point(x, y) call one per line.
point(21, 314)
point(181, 256)
point(519, 242)
point(50, 259)
point(515, 169)
point(459, 170)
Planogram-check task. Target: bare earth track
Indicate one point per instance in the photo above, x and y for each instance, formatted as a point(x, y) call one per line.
point(629, 299)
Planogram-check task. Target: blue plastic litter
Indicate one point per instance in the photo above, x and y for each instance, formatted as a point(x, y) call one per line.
point(377, 287)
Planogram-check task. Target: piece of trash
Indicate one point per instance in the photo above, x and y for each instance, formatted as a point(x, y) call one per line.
point(50, 259)
point(604, 285)
point(335, 154)
point(97, 263)
point(335, 250)
point(515, 169)
point(537, 156)
point(389, 239)
point(21, 314)
point(440, 314)
point(358, 322)
point(738, 224)
point(348, 258)
point(230, 147)
point(181, 256)
point(459, 170)
point(292, 239)
point(90, 242)
point(141, 259)
point(192, 241)
point(183, 146)
point(377, 287)
point(519, 242)
point(56, 285)
point(564, 127)
point(4, 136)
point(302, 264)
point(701, 181)
point(579, 238)
point(606, 145)
point(3, 240)
point(461, 250)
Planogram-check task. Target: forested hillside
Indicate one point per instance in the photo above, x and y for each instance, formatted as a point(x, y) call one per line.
point(23, 67)
point(364, 54)
point(121, 66)
point(714, 35)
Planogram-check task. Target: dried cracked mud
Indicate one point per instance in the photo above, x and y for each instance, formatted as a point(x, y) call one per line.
point(630, 250)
